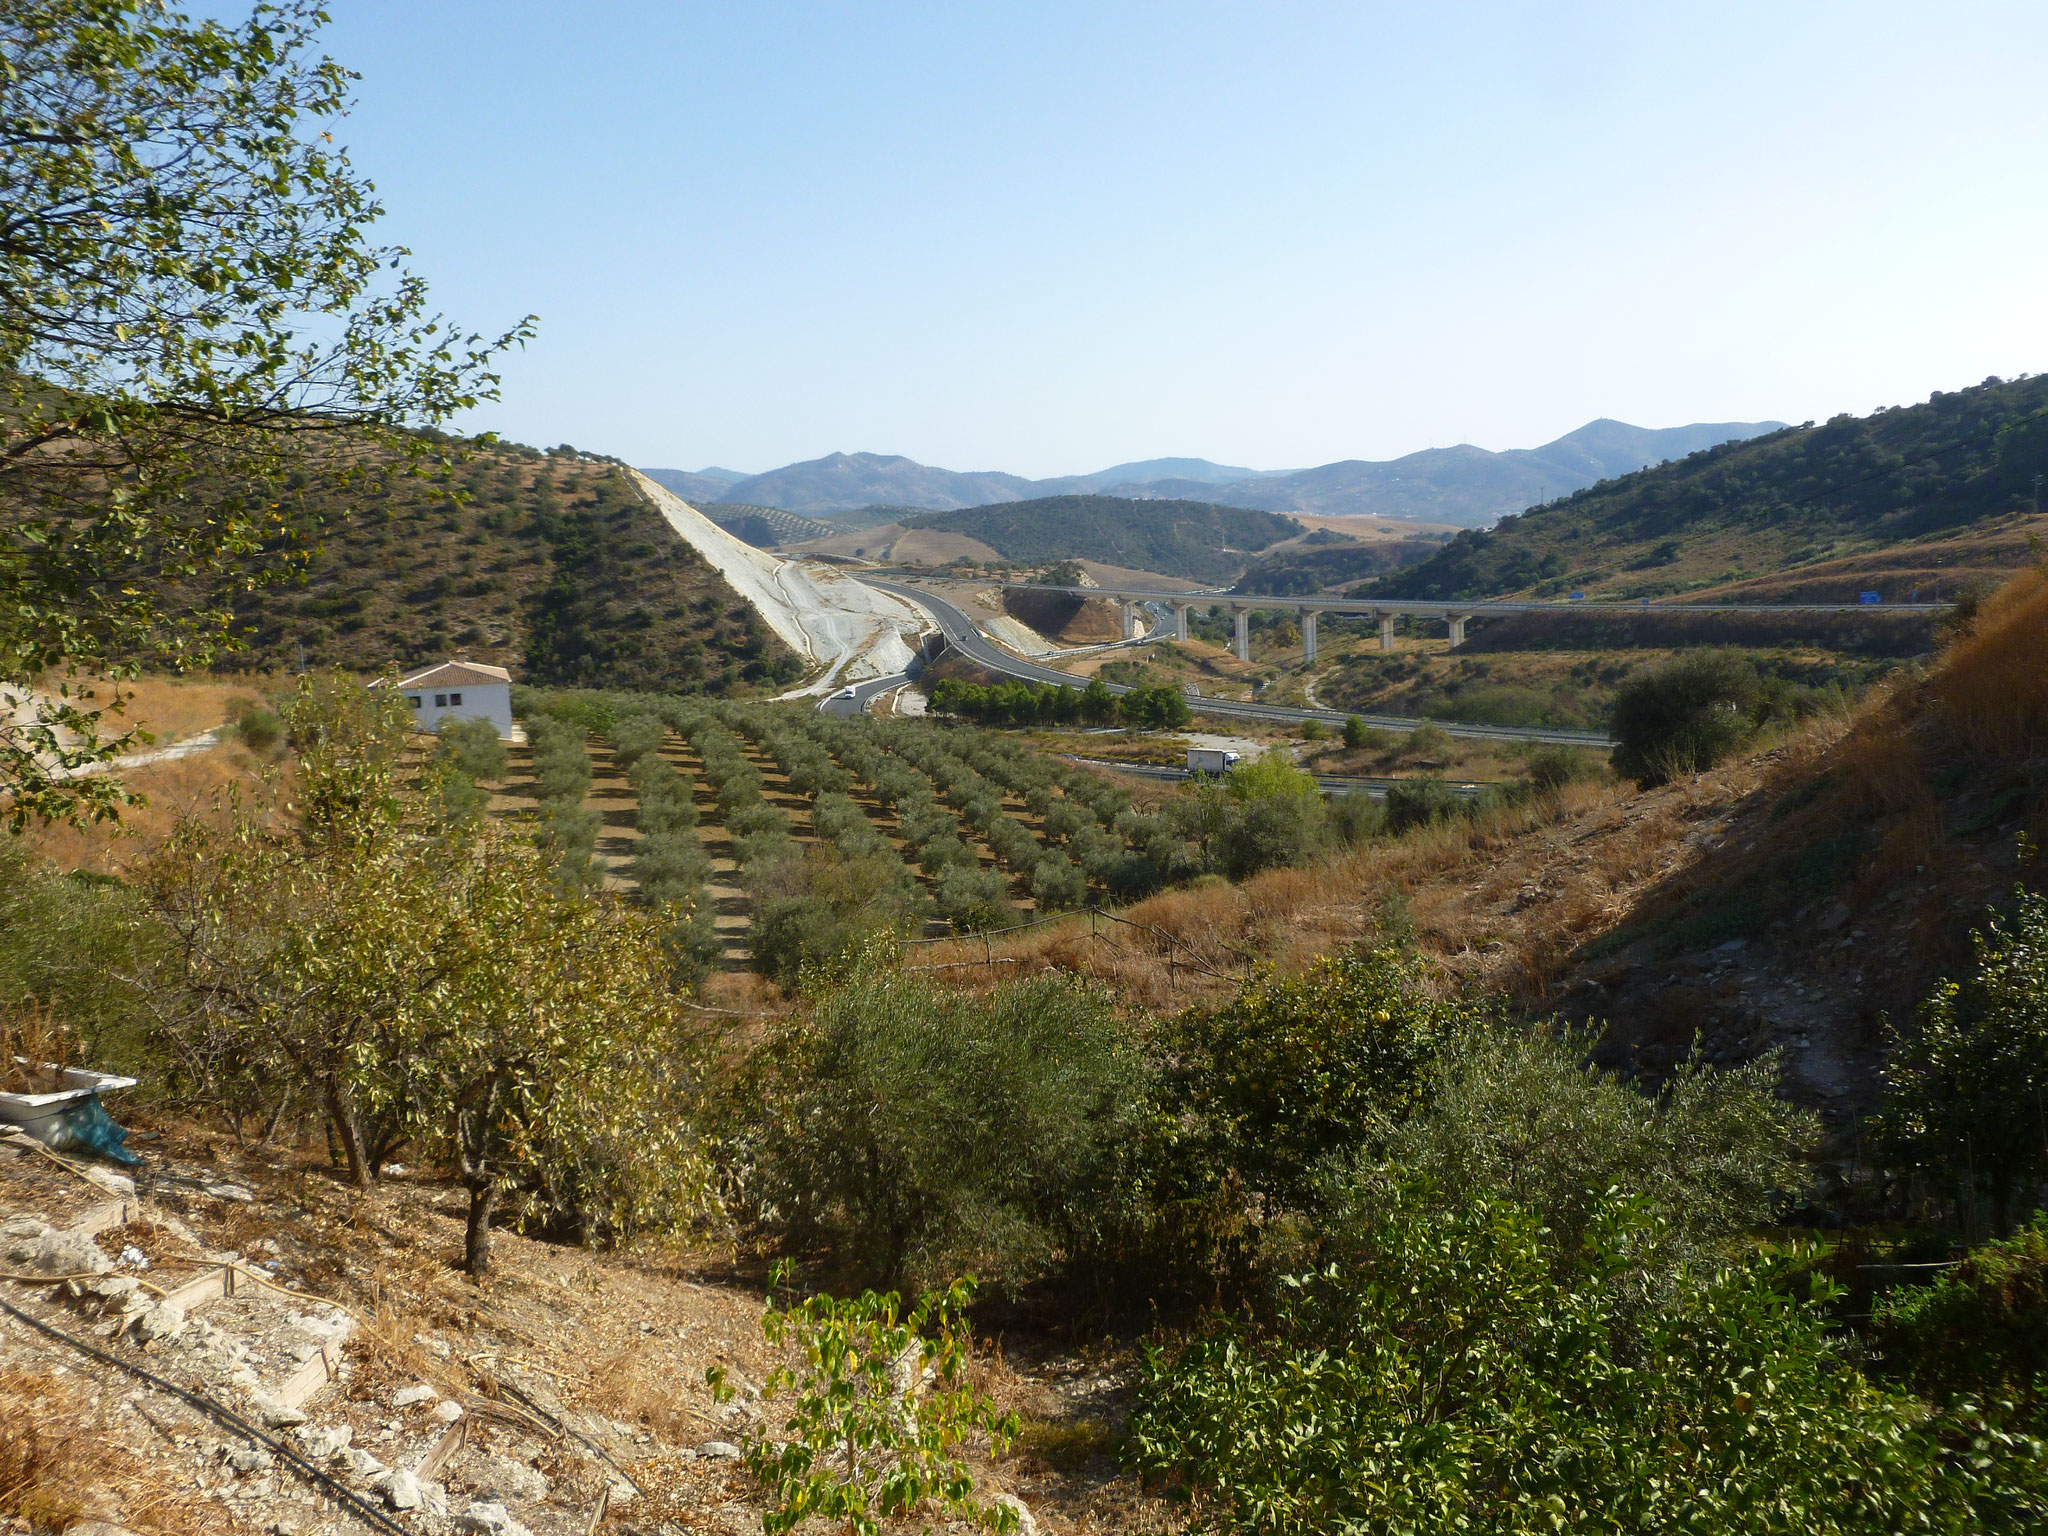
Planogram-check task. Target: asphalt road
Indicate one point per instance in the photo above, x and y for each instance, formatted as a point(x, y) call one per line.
point(843, 705)
point(960, 632)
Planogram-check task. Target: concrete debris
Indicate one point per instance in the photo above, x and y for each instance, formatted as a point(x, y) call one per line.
point(723, 1450)
point(323, 1442)
point(165, 1320)
point(363, 1464)
point(240, 1193)
point(447, 1411)
point(405, 1397)
point(278, 1415)
point(24, 1227)
point(1026, 1526)
point(58, 1253)
point(401, 1490)
point(250, 1458)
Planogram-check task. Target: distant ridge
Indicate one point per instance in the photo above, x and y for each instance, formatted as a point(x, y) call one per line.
point(1465, 485)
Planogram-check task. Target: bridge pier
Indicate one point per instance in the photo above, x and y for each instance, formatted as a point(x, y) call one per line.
point(1130, 619)
point(1244, 632)
point(1180, 621)
point(1308, 637)
point(1457, 623)
point(1386, 630)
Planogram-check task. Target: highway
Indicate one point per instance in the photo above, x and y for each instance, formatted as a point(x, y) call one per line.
point(960, 632)
point(863, 693)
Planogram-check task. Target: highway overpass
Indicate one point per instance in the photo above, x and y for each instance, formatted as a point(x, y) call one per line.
point(961, 633)
point(1386, 611)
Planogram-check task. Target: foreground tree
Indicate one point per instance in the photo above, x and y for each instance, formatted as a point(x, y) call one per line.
point(424, 982)
point(190, 306)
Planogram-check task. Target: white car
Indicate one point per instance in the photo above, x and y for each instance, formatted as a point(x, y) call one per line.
point(846, 693)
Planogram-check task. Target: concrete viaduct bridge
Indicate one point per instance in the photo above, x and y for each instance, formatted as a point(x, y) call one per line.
point(1455, 615)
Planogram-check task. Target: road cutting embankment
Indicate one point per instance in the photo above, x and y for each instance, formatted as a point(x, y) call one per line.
point(848, 630)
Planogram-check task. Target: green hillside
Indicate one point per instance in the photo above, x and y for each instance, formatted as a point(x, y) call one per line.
point(1193, 540)
point(555, 566)
point(1801, 498)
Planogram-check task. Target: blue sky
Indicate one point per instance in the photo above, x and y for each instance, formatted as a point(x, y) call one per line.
point(1048, 238)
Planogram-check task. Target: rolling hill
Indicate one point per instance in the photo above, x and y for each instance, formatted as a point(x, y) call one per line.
point(841, 481)
point(1464, 485)
point(695, 485)
point(1198, 541)
point(1806, 508)
point(1472, 486)
point(555, 567)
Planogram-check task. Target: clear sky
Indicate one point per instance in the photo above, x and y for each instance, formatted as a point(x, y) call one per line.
point(1046, 238)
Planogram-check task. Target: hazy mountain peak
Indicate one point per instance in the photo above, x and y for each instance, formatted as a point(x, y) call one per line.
point(1459, 484)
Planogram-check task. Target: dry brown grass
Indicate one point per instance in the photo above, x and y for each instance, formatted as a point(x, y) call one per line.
point(60, 1464)
point(182, 787)
point(1992, 688)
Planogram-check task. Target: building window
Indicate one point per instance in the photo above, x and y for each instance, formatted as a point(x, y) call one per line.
point(413, 699)
point(440, 701)
point(455, 699)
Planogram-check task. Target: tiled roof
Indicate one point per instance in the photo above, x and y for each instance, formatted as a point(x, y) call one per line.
point(455, 674)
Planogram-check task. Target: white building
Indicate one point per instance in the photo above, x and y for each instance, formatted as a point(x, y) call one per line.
point(462, 690)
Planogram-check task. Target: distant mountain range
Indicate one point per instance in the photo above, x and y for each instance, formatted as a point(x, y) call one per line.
point(1464, 485)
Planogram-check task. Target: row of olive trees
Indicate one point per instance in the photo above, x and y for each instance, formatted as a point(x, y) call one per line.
point(567, 827)
point(669, 866)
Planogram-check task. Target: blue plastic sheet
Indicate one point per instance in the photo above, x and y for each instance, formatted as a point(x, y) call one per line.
point(87, 1127)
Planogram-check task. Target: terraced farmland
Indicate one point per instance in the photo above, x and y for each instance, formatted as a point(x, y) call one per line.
point(779, 836)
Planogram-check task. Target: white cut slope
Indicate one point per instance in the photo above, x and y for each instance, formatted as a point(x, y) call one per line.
point(850, 630)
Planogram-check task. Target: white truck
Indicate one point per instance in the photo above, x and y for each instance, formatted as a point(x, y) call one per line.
point(1210, 760)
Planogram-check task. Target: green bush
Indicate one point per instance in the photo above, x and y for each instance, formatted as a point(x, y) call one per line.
point(1553, 767)
point(1421, 803)
point(1683, 717)
point(1291, 1072)
point(261, 729)
point(972, 899)
point(1963, 1092)
point(915, 1131)
point(1521, 1115)
point(1270, 834)
point(1058, 884)
point(1979, 1331)
point(471, 748)
point(1356, 816)
point(1455, 1381)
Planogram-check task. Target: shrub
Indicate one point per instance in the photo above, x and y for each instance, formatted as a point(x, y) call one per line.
point(1356, 816)
point(1683, 717)
point(1357, 733)
point(1058, 884)
point(1431, 741)
point(1980, 1330)
point(1963, 1092)
point(471, 748)
point(1453, 1382)
point(1553, 767)
point(1270, 834)
point(1291, 1072)
point(1420, 803)
point(915, 1129)
point(1313, 730)
point(262, 729)
point(865, 1440)
point(1520, 1114)
point(972, 899)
